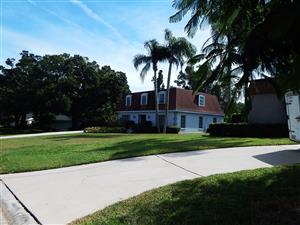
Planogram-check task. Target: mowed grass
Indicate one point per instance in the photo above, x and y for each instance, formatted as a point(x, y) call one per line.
point(255, 197)
point(37, 153)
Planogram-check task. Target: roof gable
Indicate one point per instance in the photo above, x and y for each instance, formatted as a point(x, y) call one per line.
point(180, 99)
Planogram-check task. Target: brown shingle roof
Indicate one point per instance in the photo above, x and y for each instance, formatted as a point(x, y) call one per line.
point(186, 101)
point(262, 86)
point(180, 99)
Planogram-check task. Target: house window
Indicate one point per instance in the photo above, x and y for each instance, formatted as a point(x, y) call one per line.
point(125, 118)
point(214, 120)
point(161, 97)
point(144, 99)
point(182, 121)
point(161, 120)
point(128, 100)
point(201, 100)
point(200, 122)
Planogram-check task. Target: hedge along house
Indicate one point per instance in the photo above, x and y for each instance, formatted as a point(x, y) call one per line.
point(191, 113)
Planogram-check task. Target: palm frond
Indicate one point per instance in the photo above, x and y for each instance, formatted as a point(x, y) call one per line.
point(144, 71)
point(140, 59)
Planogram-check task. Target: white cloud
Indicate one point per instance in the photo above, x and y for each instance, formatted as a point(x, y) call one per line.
point(73, 38)
point(31, 2)
point(89, 12)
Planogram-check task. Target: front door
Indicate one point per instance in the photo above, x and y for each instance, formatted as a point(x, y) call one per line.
point(142, 119)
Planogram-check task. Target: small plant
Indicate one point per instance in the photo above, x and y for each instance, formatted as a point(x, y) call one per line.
point(104, 130)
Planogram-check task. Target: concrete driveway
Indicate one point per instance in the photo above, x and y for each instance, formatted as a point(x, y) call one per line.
point(62, 195)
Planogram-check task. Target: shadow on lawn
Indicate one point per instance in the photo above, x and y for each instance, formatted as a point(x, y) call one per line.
point(260, 197)
point(159, 146)
point(83, 136)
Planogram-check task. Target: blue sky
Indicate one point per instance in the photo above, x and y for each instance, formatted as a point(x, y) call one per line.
point(109, 32)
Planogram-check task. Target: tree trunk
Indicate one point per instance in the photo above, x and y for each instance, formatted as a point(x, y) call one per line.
point(17, 120)
point(74, 122)
point(23, 120)
point(167, 98)
point(156, 102)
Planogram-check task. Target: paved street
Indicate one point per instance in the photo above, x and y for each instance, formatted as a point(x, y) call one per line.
point(61, 195)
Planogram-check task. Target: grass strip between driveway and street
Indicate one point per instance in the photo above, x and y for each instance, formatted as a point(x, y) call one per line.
point(47, 152)
point(269, 196)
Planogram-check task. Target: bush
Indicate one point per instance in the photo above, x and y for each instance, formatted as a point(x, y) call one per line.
point(237, 118)
point(104, 130)
point(129, 124)
point(173, 130)
point(248, 130)
point(148, 128)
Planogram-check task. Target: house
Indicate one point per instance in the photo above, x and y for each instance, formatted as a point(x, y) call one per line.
point(60, 122)
point(188, 111)
point(266, 106)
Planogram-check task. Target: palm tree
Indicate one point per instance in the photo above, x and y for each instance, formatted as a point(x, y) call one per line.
point(156, 53)
point(178, 50)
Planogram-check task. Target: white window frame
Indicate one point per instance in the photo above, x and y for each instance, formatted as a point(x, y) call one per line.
point(144, 95)
point(199, 100)
point(164, 93)
point(130, 102)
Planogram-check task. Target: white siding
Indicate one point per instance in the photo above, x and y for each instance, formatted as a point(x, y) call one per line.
point(174, 119)
point(192, 121)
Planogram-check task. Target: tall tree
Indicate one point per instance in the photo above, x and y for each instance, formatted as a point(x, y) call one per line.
point(178, 50)
point(156, 53)
point(262, 34)
point(159, 81)
point(52, 84)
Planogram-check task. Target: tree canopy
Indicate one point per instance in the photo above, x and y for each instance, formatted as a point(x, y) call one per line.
point(52, 84)
point(249, 38)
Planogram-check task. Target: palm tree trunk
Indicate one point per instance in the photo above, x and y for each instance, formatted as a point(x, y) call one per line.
point(167, 98)
point(156, 102)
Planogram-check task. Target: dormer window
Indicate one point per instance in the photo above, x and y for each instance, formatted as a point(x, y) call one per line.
point(162, 97)
point(144, 99)
point(201, 100)
point(128, 100)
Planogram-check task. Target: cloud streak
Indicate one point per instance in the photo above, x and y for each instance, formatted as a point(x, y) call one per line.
point(31, 2)
point(89, 12)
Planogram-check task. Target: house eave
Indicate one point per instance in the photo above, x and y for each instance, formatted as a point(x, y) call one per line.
point(162, 112)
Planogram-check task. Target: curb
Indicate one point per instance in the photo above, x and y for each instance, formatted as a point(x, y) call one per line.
point(13, 209)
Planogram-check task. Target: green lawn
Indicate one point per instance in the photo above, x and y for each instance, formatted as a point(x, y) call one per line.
point(37, 153)
point(255, 197)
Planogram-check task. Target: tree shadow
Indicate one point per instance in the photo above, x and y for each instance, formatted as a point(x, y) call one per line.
point(130, 148)
point(83, 136)
point(259, 197)
point(280, 157)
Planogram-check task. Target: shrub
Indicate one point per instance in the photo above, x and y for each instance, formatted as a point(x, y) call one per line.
point(129, 124)
point(173, 130)
point(104, 130)
point(248, 130)
point(237, 118)
point(148, 128)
